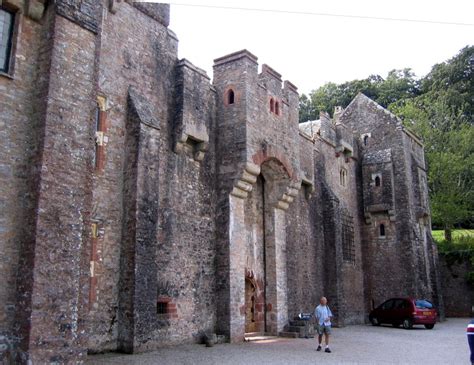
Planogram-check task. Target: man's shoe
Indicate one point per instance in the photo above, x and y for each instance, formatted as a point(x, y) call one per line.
point(327, 350)
point(319, 348)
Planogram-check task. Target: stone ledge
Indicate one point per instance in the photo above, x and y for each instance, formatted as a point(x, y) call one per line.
point(33, 9)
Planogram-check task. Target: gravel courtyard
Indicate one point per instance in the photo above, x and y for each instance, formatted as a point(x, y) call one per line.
point(445, 344)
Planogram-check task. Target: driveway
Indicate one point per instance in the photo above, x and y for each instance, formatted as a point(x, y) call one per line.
point(445, 344)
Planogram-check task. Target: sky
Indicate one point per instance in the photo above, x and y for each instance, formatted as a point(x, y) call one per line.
point(310, 50)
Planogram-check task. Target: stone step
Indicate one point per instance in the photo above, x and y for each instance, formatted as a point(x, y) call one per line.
point(297, 322)
point(221, 339)
point(297, 329)
point(288, 334)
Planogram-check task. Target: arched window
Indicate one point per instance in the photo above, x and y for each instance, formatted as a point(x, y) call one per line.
point(277, 108)
point(366, 140)
point(382, 230)
point(230, 97)
point(343, 177)
point(377, 181)
point(272, 105)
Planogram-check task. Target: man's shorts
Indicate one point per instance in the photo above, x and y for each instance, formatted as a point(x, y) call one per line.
point(322, 329)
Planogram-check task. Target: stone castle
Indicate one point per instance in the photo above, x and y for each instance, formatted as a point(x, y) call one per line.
point(143, 205)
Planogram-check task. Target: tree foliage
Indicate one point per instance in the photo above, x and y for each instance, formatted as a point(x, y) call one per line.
point(440, 108)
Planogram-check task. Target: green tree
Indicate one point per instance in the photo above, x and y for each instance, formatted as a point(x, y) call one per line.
point(438, 107)
point(443, 116)
point(307, 110)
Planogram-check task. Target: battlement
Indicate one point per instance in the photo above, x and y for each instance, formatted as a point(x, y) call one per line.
point(267, 70)
point(289, 86)
point(159, 12)
point(235, 57)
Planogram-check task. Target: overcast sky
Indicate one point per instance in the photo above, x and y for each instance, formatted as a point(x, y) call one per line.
point(311, 50)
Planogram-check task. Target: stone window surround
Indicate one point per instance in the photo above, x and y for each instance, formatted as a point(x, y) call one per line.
point(275, 106)
point(382, 230)
point(34, 9)
point(374, 180)
point(228, 90)
point(365, 138)
point(165, 308)
point(101, 139)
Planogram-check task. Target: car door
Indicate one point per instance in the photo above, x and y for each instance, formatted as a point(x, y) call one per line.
point(398, 311)
point(386, 311)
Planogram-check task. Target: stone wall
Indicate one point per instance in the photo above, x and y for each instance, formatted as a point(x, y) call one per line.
point(143, 206)
point(21, 129)
point(458, 293)
point(406, 250)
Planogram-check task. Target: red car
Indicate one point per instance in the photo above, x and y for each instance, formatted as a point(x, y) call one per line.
point(404, 311)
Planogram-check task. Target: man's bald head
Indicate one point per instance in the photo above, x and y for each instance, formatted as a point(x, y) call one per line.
point(323, 301)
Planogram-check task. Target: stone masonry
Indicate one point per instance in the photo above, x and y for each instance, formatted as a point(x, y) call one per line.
point(144, 205)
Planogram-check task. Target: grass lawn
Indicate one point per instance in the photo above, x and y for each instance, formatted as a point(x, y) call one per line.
point(438, 234)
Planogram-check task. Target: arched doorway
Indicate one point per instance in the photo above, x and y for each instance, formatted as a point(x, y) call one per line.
point(250, 299)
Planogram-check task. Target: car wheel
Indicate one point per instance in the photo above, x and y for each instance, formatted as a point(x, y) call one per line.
point(429, 326)
point(407, 324)
point(374, 321)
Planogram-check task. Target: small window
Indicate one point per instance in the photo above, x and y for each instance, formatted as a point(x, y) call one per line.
point(366, 140)
point(230, 97)
point(388, 304)
point(343, 177)
point(277, 108)
point(6, 36)
point(382, 230)
point(162, 308)
point(377, 181)
point(272, 105)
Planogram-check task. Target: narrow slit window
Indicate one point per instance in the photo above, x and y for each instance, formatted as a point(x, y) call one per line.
point(343, 177)
point(377, 181)
point(230, 97)
point(382, 230)
point(277, 108)
point(97, 131)
point(366, 140)
point(272, 105)
point(6, 38)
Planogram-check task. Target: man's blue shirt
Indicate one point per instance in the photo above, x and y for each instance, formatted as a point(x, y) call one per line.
point(322, 312)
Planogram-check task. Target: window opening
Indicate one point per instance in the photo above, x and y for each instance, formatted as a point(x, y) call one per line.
point(230, 97)
point(6, 38)
point(162, 308)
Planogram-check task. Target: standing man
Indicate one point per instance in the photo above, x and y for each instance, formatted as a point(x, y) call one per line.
point(323, 321)
point(470, 339)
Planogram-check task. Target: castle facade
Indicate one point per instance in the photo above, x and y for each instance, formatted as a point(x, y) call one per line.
point(143, 204)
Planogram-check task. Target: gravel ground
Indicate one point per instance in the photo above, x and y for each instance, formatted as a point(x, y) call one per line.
point(445, 344)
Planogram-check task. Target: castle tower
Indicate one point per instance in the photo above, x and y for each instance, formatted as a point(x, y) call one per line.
point(259, 175)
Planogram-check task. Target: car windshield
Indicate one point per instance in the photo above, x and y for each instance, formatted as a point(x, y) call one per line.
point(423, 304)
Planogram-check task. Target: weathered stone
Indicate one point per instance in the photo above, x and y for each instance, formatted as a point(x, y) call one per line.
point(142, 206)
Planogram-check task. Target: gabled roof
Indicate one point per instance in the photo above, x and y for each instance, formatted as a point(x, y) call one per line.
point(311, 127)
point(361, 99)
